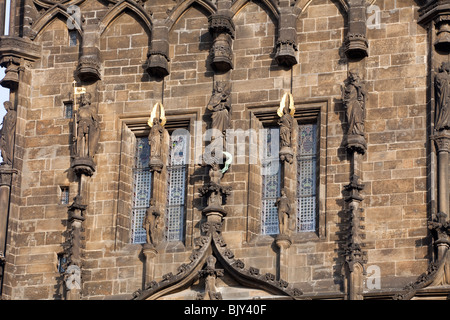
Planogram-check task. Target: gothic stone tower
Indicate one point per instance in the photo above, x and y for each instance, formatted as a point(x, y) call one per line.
point(223, 149)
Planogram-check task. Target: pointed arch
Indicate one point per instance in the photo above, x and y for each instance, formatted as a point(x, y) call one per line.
point(121, 7)
point(181, 8)
point(47, 17)
point(49, 3)
point(304, 4)
point(270, 5)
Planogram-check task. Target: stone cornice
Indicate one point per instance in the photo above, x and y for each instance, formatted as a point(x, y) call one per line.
point(19, 47)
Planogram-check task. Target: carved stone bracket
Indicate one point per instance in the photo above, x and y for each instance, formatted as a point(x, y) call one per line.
point(6, 175)
point(438, 11)
point(157, 64)
point(286, 45)
point(442, 141)
point(355, 43)
point(88, 69)
point(222, 29)
point(13, 52)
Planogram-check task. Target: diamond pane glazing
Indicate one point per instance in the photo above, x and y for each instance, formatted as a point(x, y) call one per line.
point(142, 182)
point(306, 178)
point(176, 197)
point(271, 175)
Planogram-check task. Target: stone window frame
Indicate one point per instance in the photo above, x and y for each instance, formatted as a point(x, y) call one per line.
point(306, 112)
point(133, 126)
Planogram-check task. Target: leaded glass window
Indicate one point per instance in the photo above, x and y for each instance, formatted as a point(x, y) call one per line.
point(142, 178)
point(306, 177)
point(271, 176)
point(176, 198)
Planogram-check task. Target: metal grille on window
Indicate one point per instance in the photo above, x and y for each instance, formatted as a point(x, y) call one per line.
point(141, 189)
point(68, 110)
point(178, 156)
point(271, 176)
point(73, 41)
point(306, 175)
point(64, 195)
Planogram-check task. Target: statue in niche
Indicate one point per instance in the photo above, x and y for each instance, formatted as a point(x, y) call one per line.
point(88, 128)
point(286, 113)
point(153, 224)
point(155, 138)
point(284, 209)
point(354, 99)
point(442, 82)
point(7, 133)
point(220, 105)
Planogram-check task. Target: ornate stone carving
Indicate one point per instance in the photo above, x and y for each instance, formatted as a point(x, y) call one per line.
point(222, 28)
point(214, 191)
point(88, 69)
point(286, 45)
point(220, 105)
point(6, 174)
point(355, 43)
point(12, 65)
point(354, 97)
point(13, 51)
point(153, 224)
point(155, 138)
point(442, 42)
point(286, 113)
point(284, 211)
point(86, 136)
point(7, 133)
point(157, 64)
point(442, 92)
point(440, 228)
point(210, 273)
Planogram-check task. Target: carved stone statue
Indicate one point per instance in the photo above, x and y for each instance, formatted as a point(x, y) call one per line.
point(88, 129)
point(354, 99)
point(284, 209)
point(7, 133)
point(442, 82)
point(220, 105)
point(286, 122)
point(210, 273)
point(156, 136)
point(153, 225)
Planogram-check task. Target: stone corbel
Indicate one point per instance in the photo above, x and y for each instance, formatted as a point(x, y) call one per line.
point(157, 64)
point(89, 63)
point(14, 51)
point(222, 29)
point(355, 44)
point(438, 11)
point(286, 46)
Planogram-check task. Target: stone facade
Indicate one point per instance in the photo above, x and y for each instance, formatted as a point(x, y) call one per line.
point(376, 192)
